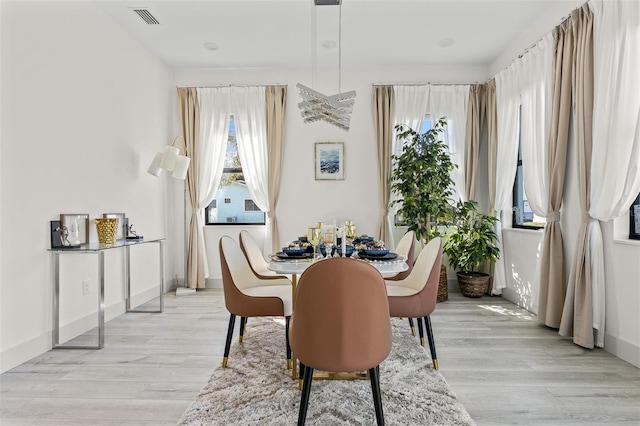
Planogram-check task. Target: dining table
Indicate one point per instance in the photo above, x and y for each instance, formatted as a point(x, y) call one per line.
point(296, 267)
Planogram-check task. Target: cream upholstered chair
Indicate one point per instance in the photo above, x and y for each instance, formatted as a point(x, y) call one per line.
point(405, 247)
point(257, 262)
point(245, 294)
point(341, 324)
point(416, 295)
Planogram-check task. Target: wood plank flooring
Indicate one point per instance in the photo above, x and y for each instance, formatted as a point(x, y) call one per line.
point(505, 369)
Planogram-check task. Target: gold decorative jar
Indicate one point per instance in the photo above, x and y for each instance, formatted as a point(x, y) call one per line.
point(107, 229)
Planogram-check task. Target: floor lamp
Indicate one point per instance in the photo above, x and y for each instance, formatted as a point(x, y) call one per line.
point(172, 161)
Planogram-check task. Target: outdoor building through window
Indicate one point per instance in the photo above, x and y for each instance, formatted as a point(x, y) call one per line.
point(233, 203)
point(523, 216)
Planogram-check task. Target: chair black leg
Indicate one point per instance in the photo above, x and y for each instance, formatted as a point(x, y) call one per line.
point(374, 376)
point(227, 346)
point(304, 399)
point(420, 330)
point(432, 343)
point(243, 326)
point(413, 329)
point(289, 361)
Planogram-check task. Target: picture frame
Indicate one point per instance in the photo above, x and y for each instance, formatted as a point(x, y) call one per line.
point(122, 224)
point(78, 226)
point(56, 234)
point(329, 161)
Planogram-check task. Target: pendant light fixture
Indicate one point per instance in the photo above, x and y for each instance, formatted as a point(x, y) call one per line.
point(334, 109)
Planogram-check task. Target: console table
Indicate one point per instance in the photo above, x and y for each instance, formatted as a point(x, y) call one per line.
point(100, 249)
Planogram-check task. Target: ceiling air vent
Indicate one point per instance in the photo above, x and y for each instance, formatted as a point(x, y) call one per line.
point(146, 16)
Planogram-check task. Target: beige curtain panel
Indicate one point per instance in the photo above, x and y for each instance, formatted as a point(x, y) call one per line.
point(276, 100)
point(553, 282)
point(475, 117)
point(577, 315)
point(383, 113)
point(190, 121)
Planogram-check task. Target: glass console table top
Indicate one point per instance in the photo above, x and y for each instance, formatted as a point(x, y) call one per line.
point(98, 246)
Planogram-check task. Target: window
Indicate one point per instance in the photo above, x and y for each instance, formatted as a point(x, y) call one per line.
point(634, 219)
point(250, 206)
point(236, 205)
point(523, 216)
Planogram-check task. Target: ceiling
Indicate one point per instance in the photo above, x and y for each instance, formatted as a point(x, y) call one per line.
point(291, 33)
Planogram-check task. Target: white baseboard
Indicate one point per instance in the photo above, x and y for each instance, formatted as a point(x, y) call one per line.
point(622, 349)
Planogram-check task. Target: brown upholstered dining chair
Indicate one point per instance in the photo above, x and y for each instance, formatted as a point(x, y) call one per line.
point(245, 294)
point(415, 296)
point(341, 323)
point(257, 262)
point(406, 247)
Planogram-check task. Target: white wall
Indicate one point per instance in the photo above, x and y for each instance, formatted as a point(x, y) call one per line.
point(84, 108)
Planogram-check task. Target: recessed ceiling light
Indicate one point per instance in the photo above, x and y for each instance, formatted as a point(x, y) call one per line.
point(446, 42)
point(211, 46)
point(328, 44)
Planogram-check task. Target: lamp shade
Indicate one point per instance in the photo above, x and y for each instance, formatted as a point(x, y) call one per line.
point(155, 167)
point(169, 158)
point(181, 167)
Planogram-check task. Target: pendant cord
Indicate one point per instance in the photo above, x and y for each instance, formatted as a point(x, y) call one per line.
point(340, 48)
point(314, 43)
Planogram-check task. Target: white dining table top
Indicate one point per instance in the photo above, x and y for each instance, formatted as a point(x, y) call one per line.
point(297, 266)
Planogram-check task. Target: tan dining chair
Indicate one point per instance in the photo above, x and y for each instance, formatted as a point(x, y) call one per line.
point(415, 296)
point(341, 323)
point(246, 296)
point(406, 247)
point(257, 262)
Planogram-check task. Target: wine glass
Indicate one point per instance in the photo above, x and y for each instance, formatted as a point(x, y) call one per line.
point(350, 232)
point(313, 236)
point(328, 239)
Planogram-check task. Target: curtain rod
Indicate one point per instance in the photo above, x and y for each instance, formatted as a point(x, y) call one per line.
point(424, 84)
point(231, 85)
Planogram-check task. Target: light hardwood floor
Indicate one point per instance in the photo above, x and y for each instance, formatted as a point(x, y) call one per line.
point(504, 368)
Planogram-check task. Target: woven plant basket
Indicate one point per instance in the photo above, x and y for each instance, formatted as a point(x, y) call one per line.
point(107, 230)
point(443, 287)
point(475, 285)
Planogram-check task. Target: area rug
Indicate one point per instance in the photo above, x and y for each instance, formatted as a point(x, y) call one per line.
point(257, 389)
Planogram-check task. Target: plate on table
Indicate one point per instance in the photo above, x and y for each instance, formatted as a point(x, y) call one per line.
point(362, 239)
point(303, 255)
point(376, 253)
point(388, 256)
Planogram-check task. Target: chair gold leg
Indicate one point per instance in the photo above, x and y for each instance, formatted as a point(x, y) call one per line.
point(413, 331)
point(422, 341)
point(224, 362)
point(435, 364)
point(289, 364)
point(240, 339)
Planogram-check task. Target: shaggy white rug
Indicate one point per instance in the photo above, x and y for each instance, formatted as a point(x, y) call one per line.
point(257, 389)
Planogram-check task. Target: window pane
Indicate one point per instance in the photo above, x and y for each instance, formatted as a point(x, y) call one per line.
point(233, 203)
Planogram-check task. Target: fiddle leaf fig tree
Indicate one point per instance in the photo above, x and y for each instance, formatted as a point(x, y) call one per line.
point(422, 179)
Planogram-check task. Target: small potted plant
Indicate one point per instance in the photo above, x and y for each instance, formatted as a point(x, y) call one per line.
point(469, 244)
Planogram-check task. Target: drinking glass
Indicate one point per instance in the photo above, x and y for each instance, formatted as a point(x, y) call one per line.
point(313, 236)
point(328, 239)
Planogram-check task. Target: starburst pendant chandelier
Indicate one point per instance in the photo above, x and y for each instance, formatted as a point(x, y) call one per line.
point(334, 109)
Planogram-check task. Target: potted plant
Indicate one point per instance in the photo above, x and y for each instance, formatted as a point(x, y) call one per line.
point(470, 243)
point(422, 178)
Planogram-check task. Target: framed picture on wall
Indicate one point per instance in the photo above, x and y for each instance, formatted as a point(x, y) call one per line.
point(122, 224)
point(77, 225)
point(329, 160)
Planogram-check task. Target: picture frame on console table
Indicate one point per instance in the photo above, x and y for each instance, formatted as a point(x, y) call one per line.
point(634, 219)
point(122, 224)
point(78, 226)
point(329, 161)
